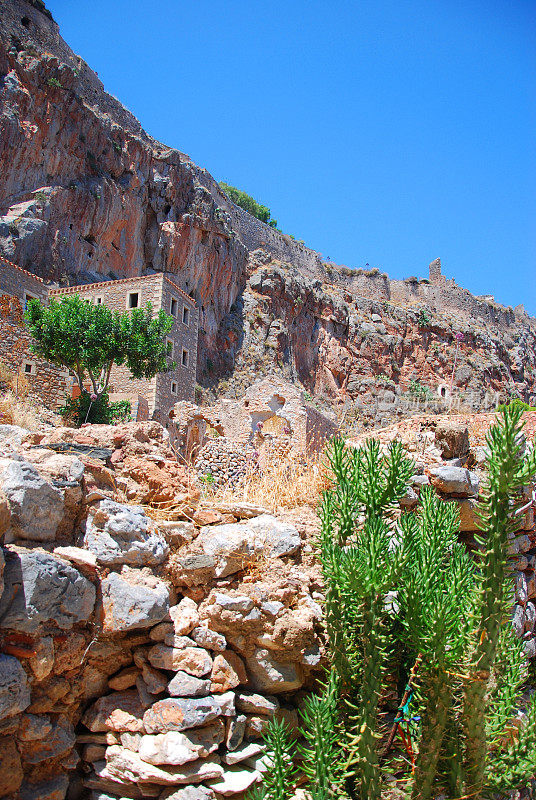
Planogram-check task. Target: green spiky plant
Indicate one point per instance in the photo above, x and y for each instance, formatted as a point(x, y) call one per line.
point(280, 778)
point(435, 592)
point(321, 731)
point(449, 619)
point(508, 472)
point(361, 557)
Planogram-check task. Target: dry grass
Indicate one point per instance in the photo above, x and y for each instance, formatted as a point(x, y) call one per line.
point(18, 411)
point(282, 482)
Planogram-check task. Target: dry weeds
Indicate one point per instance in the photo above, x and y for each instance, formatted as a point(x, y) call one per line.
point(282, 482)
point(19, 411)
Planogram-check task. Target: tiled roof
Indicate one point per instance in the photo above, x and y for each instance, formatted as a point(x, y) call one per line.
point(103, 284)
point(25, 271)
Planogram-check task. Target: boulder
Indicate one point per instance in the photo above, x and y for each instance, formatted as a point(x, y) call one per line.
point(469, 519)
point(222, 550)
point(189, 793)
point(234, 781)
point(228, 672)
point(36, 507)
point(121, 534)
point(50, 789)
point(234, 731)
point(40, 588)
point(127, 766)
point(14, 687)
point(130, 604)
point(58, 742)
point(179, 714)
point(120, 711)
point(193, 660)
point(185, 685)
point(455, 480)
point(210, 640)
point(175, 748)
point(249, 750)
point(452, 438)
point(256, 703)
point(11, 773)
point(185, 616)
point(269, 675)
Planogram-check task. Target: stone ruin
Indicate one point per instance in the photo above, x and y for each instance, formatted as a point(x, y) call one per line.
point(272, 418)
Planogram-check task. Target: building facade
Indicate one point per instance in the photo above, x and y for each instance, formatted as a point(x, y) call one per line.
point(148, 397)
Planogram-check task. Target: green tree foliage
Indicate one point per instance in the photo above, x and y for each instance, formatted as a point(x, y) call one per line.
point(246, 202)
point(404, 599)
point(100, 411)
point(89, 339)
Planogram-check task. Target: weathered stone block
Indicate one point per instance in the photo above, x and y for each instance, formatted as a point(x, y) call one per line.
point(40, 588)
point(130, 606)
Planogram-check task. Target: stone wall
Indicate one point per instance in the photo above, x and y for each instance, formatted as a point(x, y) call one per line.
point(179, 384)
point(145, 654)
point(20, 283)
point(134, 659)
point(50, 382)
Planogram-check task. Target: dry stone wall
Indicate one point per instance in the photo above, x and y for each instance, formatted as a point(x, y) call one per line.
point(139, 658)
point(142, 656)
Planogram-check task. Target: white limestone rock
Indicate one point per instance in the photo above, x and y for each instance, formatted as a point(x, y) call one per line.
point(122, 534)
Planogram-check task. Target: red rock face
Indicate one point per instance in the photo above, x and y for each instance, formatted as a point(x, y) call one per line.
point(86, 194)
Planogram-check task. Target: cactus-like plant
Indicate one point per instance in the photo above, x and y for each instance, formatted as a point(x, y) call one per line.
point(360, 554)
point(280, 777)
point(508, 472)
point(435, 592)
point(321, 751)
point(401, 591)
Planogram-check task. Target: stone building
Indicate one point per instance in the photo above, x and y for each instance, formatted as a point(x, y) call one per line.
point(52, 383)
point(271, 411)
point(148, 397)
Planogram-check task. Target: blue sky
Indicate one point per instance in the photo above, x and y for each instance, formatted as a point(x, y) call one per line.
point(386, 132)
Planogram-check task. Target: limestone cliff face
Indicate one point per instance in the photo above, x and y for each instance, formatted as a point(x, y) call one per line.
point(86, 194)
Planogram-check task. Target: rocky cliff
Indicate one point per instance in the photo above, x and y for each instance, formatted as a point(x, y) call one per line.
point(86, 194)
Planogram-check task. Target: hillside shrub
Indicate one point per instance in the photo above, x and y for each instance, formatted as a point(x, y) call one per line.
point(96, 410)
point(247, 202)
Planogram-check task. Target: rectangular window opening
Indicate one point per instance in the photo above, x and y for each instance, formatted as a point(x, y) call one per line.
point(29, 296)
point(173, 387)
point(28, 368)
point(99, 300)
point(184, 359)
point(174, 307)
point(169, 347)
point(133, 300)
point(186, 315)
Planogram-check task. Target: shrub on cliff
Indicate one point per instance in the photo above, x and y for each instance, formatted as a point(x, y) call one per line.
point(250, 205)
point(89, 339)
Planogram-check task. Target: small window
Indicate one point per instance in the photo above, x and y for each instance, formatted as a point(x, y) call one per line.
point(133, 300)
point(185, 358)
point(29, 296)
point(169, 347)
point(186, 315)
point(174, 307)
point(99, 300)
point(28, 368)
point(173, 387)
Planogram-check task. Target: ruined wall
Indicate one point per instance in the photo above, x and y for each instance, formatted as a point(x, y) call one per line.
point(50, 382)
